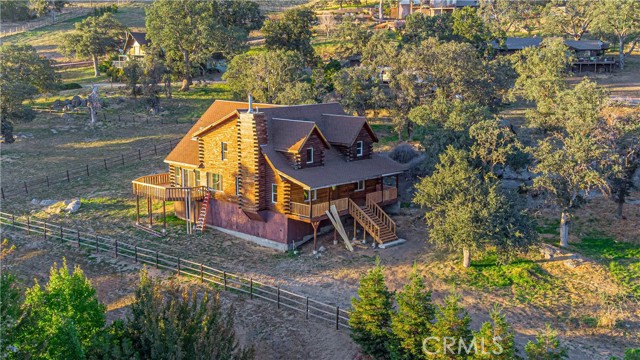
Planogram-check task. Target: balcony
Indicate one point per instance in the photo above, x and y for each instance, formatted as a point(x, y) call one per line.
point(317, 210)
point(158, 187)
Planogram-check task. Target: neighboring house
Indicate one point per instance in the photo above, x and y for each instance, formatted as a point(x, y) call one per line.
point(405, 8)
point(271, 172)
point(133, 48)
point(588, 54)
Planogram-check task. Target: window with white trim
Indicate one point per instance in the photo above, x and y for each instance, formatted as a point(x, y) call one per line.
point(237, 186)
point(223, 150)
point(314, 195)
point(360, 148)
point(360, 185)
point(178, 175)
point(214, 181)
point(274, 193)
point(309, 155)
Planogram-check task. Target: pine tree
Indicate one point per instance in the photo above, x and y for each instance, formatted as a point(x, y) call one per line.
point(411, 323)
point(546, 347)
point(495, 339)
point(370, 319)
point(450, 331)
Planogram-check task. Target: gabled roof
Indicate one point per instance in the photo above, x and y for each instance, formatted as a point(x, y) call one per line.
point(186, 152)
point(335, 172)
point(290, 135)
point(343, 129)
point(140, 37)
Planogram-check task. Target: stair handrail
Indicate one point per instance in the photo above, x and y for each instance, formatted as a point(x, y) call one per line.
point(382, 215)
point(367, 222)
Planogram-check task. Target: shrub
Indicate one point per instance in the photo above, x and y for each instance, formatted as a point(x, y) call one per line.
point(70, 86)
point(403, 153)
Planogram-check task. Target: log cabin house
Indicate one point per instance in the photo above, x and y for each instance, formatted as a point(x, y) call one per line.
point(269, 173)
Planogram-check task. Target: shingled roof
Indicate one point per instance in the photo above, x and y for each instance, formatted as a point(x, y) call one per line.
point(290, 135)
point(336, 170)
point(288, 127)
point(186, 152)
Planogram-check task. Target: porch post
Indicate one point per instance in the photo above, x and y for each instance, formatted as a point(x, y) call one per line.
point(311, 206)
point(137, 209)
point(315, 236)
point(355, 228)
point(164, 216)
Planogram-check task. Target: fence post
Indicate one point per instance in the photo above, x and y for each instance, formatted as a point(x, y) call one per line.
point(28, 225)
point(201, 273)
point(155, 151)
point(224, 278)
point(47, 180)
point(87, 169)
point(13, 220)
point(45, 230)
point(278, 302)
point(156, 259)
point(139, 155)
point(61, 234)
point(78, 237)
point(116, 248)
point(337, 317)
point(135, 250)
point(306, 313)
point(97, 247)
point(105, 164)
point(2, 189)
point(122, 159)
point(68, 179)
point(251, 288)
point(178, 266)
point(26, 190)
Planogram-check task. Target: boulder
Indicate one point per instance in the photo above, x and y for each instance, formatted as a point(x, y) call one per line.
point(76, 101)
point(67, 102)
point(510, 184)
point(47, 202)
point(73, 206)
point(57, 105)
point(83, 103)
point(522, 175)
point(35, 202)
point(322, 249)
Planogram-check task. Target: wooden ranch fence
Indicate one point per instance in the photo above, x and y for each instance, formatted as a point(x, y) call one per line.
point(87, 170)
point(311, 309)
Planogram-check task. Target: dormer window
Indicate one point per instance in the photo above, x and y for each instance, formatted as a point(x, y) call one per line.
point(223, 150)
point(360, 148)
point(310, 155)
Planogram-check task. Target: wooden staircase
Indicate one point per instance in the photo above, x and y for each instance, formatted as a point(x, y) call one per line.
point(374, 220)
point(204, 209)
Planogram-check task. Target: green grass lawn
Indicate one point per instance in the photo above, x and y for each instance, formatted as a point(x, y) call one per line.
point(621, 258)
point(526, 279)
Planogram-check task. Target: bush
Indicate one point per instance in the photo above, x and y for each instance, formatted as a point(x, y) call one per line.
point(70, 86)
point(403, 153)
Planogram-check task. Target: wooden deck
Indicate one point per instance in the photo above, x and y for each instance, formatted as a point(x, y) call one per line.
point(158, 187)
point(316, 211)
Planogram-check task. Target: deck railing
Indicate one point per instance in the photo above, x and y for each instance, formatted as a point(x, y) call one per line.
point(387, 194)
point(157, 187)
point(319, 209)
